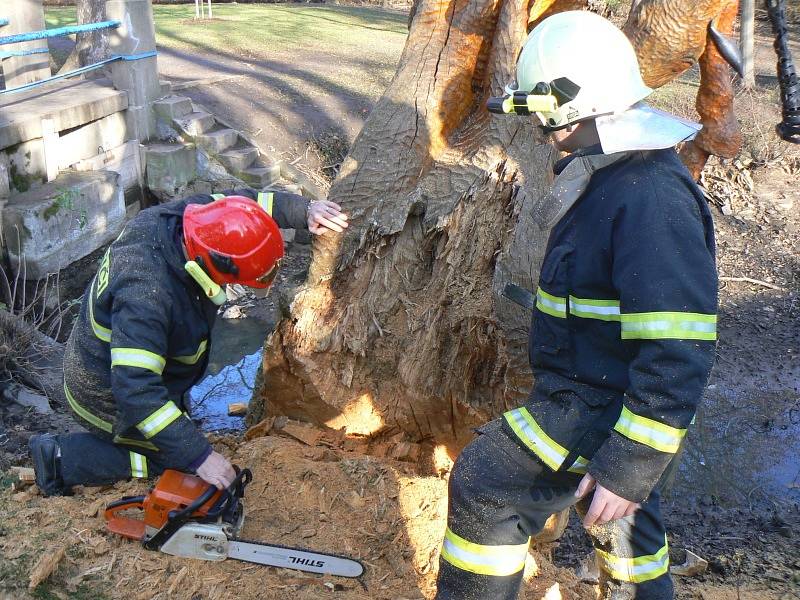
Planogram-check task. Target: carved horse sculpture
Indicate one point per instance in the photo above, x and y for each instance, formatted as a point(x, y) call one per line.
point(670, 36)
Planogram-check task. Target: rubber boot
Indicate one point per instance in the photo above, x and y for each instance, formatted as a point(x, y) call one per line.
point(46, 455)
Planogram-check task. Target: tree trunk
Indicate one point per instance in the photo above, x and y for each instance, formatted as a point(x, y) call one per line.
point(90, 47)
point(401, 325)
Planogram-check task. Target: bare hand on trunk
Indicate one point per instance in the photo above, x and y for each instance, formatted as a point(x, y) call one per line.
point(217, 471)
point(324, 215)
point(606, 505)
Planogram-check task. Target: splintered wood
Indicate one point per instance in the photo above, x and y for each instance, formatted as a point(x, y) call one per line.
point(46, 565)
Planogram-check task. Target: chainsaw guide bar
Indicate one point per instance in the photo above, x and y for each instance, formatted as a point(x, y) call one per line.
point(185, 516)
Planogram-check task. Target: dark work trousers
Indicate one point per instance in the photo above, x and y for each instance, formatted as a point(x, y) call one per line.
point(87, 459)
point(501, 495)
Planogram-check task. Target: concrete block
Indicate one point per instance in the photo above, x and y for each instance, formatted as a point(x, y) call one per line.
point(140, 122)
point(26, 165)
point(262, 174)
point(53, 225)
point(70, 103)
point(137, 33)
point(26, 15)
point(238, 159)
point(218, 141)
point(5, 188)
point(195, 123)
point(166, 87)
point(92, 139)
point(139, 78)
point(169, 167)
point(125, 160)
point(173, 107)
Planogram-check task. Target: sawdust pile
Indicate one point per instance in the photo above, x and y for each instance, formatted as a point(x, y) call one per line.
point(321, 497)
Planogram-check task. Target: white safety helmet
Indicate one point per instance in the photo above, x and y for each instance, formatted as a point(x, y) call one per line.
point(574, 65)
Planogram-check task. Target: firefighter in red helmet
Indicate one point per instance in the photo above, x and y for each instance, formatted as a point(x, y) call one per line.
point(142, 337)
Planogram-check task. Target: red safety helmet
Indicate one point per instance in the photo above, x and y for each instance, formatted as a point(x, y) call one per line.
point(234, 240)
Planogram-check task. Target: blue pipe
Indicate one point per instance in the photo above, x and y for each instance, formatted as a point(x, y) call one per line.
point(11, 53)
point(3, 21)
point(80, 71)
point(58, 32)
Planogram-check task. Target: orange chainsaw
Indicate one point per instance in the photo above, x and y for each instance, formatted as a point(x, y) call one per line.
point(185, 516)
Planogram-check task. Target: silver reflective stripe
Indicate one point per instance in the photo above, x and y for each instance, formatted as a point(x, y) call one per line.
point(649, 432)
point(159, 420)
point(496, 560)
point(603, 310)
point(535, 439)
point(138, 465)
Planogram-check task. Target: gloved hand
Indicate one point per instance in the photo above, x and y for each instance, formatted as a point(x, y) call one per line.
point(217, 471)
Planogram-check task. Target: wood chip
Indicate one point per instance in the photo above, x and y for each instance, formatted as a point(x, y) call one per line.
point(307, 435)
point(176, 581)
point(406, 451)
point(46, 565)
point(260, 429)
point(237, 409)
point(24, 474)
point(353, 500)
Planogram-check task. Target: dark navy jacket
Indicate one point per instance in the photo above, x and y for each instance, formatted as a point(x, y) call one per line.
point(623, 334)
point(142, 337)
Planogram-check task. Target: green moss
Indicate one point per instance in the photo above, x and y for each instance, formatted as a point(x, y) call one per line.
point(20, 181)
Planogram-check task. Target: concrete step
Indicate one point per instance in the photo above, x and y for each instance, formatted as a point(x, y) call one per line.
point(218, 140)
point(262, 174)
point(196, 123)
point(238, 159)
point(173, 107)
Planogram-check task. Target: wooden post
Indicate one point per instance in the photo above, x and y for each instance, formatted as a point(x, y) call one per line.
point(25, 16)
point(747, 42)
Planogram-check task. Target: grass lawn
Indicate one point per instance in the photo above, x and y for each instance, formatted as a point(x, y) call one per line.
point(295, 28)
point(369, 38)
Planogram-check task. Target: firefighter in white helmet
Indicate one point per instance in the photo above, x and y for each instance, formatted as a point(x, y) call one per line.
point(622, 336)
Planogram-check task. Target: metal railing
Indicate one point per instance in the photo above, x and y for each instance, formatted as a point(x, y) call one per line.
point(44, 34)
point(60, 32)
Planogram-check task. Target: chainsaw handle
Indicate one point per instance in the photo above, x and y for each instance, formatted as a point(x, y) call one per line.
point(125, 526)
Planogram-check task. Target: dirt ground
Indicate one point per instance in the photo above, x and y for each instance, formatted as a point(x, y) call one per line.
point(735, 500)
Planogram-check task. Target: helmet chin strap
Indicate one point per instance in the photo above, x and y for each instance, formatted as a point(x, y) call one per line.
point(214, 292)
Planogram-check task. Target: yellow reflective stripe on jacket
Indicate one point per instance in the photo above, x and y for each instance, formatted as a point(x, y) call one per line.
point(192, 360)
point(118, 439)
point(535, 439)
point(136, 357)
point(160, 419)
point(138, 465)
point(588, 308)
point(580, 466)
point(551, 305)
point(85, 414)
point(217, 196)
point(649, 432)
point(265, 201)
point(102, 333)
point(635, 570)
point(669, 325)
point(483, 560)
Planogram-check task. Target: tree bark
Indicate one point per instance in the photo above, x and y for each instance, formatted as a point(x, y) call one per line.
point(401, 324)
point(89, 47)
